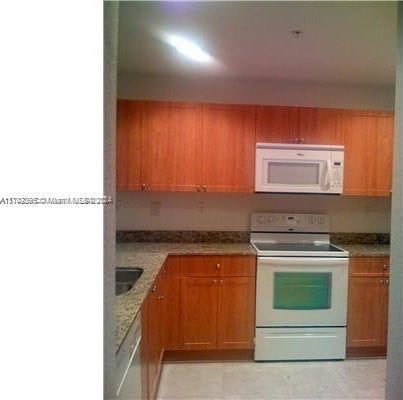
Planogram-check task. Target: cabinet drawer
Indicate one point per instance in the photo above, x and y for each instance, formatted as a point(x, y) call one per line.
point(359, 266)
point(217, 266)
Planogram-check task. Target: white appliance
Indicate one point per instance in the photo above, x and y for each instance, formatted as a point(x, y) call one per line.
point(299, 168)
point(301, 288)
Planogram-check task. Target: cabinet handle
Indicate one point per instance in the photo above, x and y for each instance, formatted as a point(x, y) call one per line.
point(218, 266)
point(302, 140)
point(221, 281)
point(382, 281)
point(295, 140)
point(204, 188)
point(143, 186)
point(215, 281)
point(153, 289)
point(197, 188)
point(160, 297)
point(164, 271)
point(385, 267)
point(386, 281)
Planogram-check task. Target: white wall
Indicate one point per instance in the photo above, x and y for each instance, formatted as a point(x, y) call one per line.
point(213, 211)
point(147, 87)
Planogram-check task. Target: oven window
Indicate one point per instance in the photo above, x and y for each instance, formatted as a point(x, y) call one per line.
point(302, 290)
point(286, 173)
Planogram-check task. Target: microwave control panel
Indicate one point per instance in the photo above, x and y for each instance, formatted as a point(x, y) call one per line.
point(336, 176)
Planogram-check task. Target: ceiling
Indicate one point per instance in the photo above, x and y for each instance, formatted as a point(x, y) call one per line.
point(342, 42)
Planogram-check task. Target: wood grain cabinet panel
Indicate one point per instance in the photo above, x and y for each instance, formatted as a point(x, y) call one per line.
point(172, 146)
point(154, 328)
point(319, 126)
point(144, 351)
point(228, 154)
point(368, 141)
point(367, 314)
point(276, 124)
point(236, 313)
point(217, 309)
point(198, 312)
point(129, 116)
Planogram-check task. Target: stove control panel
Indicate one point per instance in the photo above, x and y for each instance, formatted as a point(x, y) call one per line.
point(290, 222)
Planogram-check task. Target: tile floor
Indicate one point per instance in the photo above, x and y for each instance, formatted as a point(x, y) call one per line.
point(352, 379)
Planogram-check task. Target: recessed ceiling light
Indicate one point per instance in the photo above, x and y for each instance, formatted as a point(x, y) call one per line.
point(189, 49)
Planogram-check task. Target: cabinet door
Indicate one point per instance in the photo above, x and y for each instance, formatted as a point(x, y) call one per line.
point(128, 145)
point(170, 312)
point(367, 311)
point(236, 313)
point(144, 351)
point(172, 146)
point(156, 329)
point(368, 140)
point(228, 148)
point(153, 344)
point(276, 124)
point(319, 126)
point(198, 312)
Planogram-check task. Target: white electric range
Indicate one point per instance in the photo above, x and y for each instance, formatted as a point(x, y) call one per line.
point(301, 288)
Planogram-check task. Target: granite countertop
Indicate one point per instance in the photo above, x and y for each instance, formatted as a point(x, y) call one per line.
point(366, 250)
point(150, 257)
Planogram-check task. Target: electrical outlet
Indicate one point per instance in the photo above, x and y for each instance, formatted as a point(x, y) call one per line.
point(155, 208)
point(200, 206)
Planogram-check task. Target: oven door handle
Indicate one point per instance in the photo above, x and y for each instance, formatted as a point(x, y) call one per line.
point(293, 261)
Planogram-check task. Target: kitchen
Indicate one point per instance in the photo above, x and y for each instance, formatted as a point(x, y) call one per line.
point(188, 184)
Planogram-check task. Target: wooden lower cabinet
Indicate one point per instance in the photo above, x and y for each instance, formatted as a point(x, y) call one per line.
point(198, 312)
point(367, 315)
point(209, 311)
point(236, 313)
point(216, 310)
point(153, 329)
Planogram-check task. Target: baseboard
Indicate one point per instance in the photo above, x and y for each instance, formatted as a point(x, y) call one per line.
point(366, 352)
point(208, 355)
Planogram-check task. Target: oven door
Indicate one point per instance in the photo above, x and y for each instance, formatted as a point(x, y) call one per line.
point(301, 291)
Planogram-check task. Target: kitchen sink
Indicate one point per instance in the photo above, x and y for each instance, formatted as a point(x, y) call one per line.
point(126, 277)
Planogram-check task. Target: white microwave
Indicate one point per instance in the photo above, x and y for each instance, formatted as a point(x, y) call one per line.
point(299, 168)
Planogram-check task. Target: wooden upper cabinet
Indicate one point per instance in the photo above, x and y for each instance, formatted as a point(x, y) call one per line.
point(128, 144)
point(368, 141)
point(276, 124)
point(172, 145)
point(319, 126)
point(228, 154)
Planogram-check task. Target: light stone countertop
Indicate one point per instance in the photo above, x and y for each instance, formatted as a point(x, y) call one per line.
point(366, 250)
point(151, 257)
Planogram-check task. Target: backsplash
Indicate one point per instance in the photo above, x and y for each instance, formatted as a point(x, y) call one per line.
point(161, 211)
point(235, 237)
